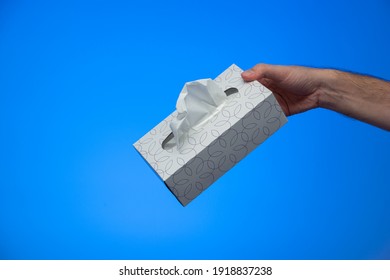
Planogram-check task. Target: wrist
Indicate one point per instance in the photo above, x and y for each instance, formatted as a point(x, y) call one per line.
point(331, 89)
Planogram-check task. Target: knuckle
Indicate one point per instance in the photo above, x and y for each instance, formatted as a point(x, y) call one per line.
point(260, 67)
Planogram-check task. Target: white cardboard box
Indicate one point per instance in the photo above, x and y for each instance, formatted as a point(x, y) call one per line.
point(248, 117)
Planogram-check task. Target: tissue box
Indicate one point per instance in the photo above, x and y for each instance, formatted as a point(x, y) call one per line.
point(249, 116)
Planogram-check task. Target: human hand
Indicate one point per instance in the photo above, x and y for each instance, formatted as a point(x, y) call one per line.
point(299, 89)
point(296, 88)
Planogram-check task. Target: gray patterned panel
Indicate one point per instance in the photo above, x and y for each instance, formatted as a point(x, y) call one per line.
point(227, 150)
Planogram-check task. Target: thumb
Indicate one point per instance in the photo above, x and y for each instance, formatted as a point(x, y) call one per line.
point(275, 73)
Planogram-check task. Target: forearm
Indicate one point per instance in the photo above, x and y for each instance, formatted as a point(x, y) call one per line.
point(361, 97)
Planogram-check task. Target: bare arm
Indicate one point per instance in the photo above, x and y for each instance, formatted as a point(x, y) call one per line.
point(299, 89)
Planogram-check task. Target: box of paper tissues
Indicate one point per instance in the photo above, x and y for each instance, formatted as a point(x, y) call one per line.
point(215, 125)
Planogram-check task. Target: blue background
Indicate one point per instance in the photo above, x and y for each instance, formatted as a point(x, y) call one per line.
point(80, 81)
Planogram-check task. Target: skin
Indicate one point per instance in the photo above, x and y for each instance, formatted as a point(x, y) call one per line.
point(299, 89)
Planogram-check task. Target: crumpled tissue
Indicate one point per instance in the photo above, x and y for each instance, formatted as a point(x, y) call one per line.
point(198, 101)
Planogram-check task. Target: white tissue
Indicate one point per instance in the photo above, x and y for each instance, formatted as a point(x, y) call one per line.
point(198, 101)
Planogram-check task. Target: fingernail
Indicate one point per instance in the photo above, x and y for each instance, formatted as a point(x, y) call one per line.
point(248, 72)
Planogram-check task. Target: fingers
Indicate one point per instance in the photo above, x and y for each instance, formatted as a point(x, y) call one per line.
point(266, 71)
point(283, 103)
point(266, 82)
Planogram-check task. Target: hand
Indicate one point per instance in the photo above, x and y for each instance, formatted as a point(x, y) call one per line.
point(297, 89)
